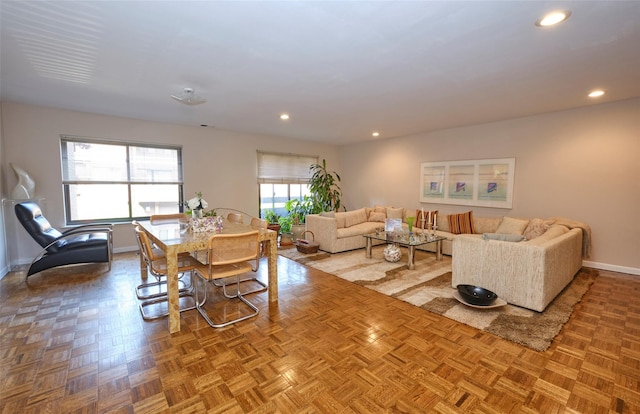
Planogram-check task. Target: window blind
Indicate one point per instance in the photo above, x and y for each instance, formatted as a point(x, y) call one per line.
point(276, 168)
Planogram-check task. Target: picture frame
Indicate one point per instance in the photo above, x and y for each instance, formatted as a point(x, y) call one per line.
point(482, 183)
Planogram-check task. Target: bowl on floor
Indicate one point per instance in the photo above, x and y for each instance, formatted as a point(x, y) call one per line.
point(477, 295)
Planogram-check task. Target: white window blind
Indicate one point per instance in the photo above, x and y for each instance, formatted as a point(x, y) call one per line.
point(276, 168)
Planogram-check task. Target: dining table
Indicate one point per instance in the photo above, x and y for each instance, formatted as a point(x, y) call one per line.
point(175, 237)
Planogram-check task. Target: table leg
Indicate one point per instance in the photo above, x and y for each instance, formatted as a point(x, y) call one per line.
point(412, 252)
point(367, 251)
point(173, 297)
point(272, 258)
point(144, 274)
point(439, 250)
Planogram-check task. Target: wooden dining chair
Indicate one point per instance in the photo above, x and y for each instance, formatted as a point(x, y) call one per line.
point(168, 218)
point(229, 255)
point(235, 217)
point(258, 223)
point(156, 263)
point(256, 284)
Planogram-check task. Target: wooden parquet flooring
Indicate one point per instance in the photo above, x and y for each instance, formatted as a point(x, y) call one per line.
point(74, 342)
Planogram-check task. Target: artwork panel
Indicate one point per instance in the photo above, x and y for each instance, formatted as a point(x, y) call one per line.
point(433, 182)
point(461, 182)
point(493, 182)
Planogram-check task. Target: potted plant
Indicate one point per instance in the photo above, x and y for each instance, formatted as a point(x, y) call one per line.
point(325, 191)
point(298, 210)
point(286, 237)
point(272, 220)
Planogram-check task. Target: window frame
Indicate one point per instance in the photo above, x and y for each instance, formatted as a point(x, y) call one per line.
point(129, 182)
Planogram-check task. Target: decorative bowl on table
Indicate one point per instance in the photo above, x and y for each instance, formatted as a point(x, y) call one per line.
point(392, 253)
point(476, 295)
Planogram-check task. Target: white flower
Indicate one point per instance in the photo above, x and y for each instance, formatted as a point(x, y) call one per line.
point(197, 202)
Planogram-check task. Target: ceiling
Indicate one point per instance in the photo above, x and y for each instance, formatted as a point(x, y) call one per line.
point(340, 69)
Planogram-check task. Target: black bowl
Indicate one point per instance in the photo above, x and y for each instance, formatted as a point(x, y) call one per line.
point(476, 295)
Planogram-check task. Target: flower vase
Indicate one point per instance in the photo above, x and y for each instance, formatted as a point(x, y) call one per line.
point(198, 213)
point(410, 224)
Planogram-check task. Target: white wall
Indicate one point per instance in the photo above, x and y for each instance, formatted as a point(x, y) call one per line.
point(3, 247)
point(220, 164)
point(582, 164)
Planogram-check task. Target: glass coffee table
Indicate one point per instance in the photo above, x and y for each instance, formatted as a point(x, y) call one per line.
point(404, 239)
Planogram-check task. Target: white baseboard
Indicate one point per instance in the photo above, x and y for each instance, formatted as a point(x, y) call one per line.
point(4, 271)
point(612, 268)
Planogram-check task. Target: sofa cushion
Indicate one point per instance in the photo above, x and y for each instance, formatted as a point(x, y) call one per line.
point(393, 212)
point(377, 217)
point(340, 220)
point(483, 225)
point(503, 237)
point(351, 218)
point(461, 223)
point(510, 225)
point(380, 209)
point(536, 228)
point(357, 231)
point(553, 232)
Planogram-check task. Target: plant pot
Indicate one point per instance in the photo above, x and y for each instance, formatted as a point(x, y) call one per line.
point(274, 227)
point(286, 239)
point(297, 230)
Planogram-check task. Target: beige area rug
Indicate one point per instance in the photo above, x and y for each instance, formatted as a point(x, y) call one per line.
point(429, 287)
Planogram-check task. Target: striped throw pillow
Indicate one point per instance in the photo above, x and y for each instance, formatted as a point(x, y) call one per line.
point(461, 223)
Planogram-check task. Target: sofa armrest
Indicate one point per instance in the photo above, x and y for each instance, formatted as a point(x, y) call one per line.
point(325, 230)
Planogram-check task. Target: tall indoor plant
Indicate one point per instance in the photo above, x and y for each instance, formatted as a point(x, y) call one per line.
point(324, 188)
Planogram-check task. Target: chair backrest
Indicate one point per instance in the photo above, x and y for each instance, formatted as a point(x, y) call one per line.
point(259, 223)
point(146, 251)
point(38, 227)
point(226, 249)
point(168, 218)
point(235, 217)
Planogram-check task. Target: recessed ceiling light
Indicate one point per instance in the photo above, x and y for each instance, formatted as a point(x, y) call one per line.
point(596, 93)
point(553, 18)
point(284, 117)
point(375, 134)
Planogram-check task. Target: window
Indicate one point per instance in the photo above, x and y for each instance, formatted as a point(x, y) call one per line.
point(110, 181)
point(282, 177)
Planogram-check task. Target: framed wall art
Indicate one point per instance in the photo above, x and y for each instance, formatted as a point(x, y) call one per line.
point(483, 183)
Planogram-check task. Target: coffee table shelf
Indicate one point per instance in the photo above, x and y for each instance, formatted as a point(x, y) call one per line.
point(411, 242)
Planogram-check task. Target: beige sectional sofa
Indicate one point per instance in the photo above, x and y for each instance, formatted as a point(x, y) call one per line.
point(342, 231)
point(528, 273)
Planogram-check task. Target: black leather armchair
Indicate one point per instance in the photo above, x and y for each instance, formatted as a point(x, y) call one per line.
point(91, 243)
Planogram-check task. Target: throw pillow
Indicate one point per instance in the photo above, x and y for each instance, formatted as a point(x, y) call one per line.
point(354, 217)
point(379, 217)
point(503, 237)
point(380, 209)
point(397, 213)
point(461, 223)
point(340, 220)
point(536, 228)
point(327, 214)
point(510, 225)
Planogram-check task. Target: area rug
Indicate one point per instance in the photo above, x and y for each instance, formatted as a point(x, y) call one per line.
point(428, 286)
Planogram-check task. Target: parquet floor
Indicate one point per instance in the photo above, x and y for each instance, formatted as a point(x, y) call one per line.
point(74, 342)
